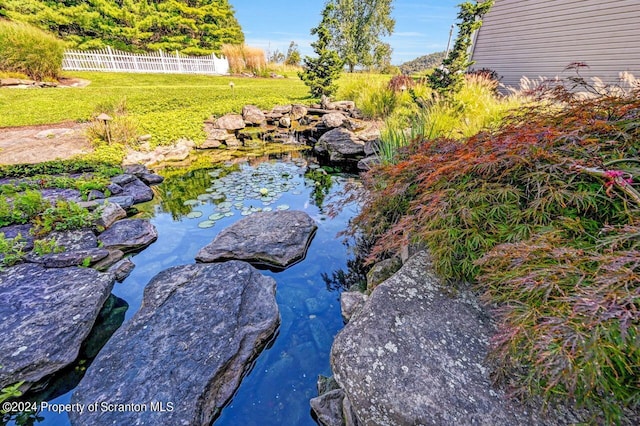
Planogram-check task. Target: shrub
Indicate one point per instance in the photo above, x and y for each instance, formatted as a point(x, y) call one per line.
point(26, 49)
point(63, 216)
point(21, 208)
point(542, 215)
point(400, 83)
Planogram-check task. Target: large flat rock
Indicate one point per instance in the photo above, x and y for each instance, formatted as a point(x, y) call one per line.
point(275, 239)
point(198, 329)
point(129, 235)
point(414, 355)
point(45, 315)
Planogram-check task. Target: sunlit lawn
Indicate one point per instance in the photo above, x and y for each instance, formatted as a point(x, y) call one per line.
point(167, 106)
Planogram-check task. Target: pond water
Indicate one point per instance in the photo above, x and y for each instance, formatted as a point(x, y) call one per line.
point(191, 207)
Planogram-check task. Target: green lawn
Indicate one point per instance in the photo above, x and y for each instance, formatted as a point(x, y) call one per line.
point(167, 106)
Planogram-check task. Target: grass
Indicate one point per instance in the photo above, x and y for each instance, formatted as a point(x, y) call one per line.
point(166, 106)
point(25, 49)
point(472, 109)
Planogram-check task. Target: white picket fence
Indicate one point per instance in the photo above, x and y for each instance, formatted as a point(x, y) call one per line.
point(155, 62)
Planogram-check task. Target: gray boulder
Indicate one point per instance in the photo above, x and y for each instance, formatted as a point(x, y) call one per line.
point(415, 355)
point(46, 314)
point(124, 201)
point(138, 190)
point(129, 235)
point(229, 122)
point(150, 178)
point(340, 145)
point(298, 112)
point(112, 258)
point(282, 109)
point(79, 239)
point(253, 115)
point(122, 269)
point(163, 355)
point(333, 119)
point(328, 408)
point(285, 121)
point(381, 271)
point(110, 214)
point(368, 163)
point(351, 302)
point(276, 239)
point(123, 179)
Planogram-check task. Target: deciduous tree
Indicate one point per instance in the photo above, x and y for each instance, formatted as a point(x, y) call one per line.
point(358, 27)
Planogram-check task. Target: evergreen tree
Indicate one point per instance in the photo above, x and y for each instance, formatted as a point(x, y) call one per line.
point(321, 72)
point(450, 76)
point(357, 28)
point(189, 26)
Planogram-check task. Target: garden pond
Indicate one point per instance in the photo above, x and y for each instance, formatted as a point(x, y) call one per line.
point(191, 207)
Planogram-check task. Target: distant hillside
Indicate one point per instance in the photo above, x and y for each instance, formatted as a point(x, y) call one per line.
point(422, 63)
point(195, 27)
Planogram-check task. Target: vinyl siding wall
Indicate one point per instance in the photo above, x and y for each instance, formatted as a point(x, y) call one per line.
point(539, 38)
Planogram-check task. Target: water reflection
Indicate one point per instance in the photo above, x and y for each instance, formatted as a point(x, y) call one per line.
point(283, 378)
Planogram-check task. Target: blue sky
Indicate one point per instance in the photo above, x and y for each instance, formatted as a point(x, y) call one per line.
point(422, 26)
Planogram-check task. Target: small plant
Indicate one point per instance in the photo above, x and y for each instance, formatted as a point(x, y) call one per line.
point(12, 250)
point(46, 246)
point(10, 392)
point(64, 215)
point(21, 208)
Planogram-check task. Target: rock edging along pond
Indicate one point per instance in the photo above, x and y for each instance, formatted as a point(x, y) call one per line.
point(49, 303)
point(227, 195)
point(336, 131)
point(414, 353)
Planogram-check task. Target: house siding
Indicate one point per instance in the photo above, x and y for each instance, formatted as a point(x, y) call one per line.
point(539, 38)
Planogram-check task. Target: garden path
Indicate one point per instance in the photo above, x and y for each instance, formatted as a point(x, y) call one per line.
point(36, 144)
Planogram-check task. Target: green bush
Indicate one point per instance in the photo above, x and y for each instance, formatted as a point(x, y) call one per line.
point(63, 216)
point(21, 208)
point(542, 215)
point(26, 49)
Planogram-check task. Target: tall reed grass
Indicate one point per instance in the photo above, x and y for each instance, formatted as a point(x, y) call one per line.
point(243, 58)
point(474, 108)
point(28, 50)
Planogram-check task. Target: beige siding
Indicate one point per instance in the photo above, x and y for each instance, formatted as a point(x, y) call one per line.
point(539, 38)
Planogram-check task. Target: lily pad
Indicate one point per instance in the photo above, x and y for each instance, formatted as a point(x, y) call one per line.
point(206, 224)
point(191, 203)
point(194, 214)
point(282, 207)
point(216, 216)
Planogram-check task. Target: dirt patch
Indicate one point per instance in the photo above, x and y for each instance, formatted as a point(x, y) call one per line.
point(36, 144)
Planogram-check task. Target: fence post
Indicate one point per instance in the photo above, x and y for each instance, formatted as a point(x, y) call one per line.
point(164, 68)
point(179, 62)
point(112, 59)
